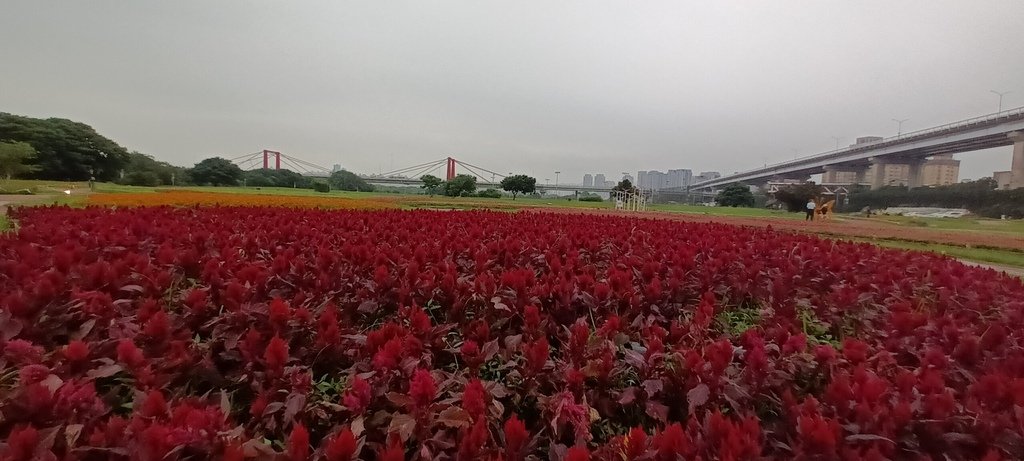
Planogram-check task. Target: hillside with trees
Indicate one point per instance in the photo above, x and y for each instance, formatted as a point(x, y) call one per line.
point(64, 149)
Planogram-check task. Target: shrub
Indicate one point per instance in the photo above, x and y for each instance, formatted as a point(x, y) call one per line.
point(591, 198)
point(321, 186)
point(489, 193)
point(140, 178)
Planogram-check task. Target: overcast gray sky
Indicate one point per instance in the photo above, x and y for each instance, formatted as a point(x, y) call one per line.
point(525, 86)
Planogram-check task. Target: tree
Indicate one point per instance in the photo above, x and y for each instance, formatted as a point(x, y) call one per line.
point(144, 170)
point(16, 159)
point(347, 180)
point(735, 195)
point(431, 183)
point(624, 186)
point(460, 185)
point(216, 171)
point(65, 149)
point(266, 177)
point(519, 184)
point(796, 196)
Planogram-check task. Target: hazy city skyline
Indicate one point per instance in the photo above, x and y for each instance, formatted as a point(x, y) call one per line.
point(574, 87)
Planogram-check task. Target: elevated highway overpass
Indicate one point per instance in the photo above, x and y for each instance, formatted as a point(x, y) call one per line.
point(994, 130)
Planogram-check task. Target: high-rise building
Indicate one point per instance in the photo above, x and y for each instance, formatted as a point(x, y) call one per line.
point(336, 168)
point(706, 176)
point(941, 170)
point(588, 180)
point(629, 177)
point(599, 180)
point(679, 178)
point(641, 179)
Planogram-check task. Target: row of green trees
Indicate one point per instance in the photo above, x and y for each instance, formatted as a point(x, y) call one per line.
point(464, 185)
point(981, 197)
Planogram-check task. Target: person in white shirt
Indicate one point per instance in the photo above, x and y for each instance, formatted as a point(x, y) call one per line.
point(810, 210)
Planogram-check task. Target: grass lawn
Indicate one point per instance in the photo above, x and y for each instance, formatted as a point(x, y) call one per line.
point(5, 223)
point(1004, 257)
point(1015, 226)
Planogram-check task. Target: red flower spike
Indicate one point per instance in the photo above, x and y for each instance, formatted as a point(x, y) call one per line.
point(358, 396)
point(154, 405)
point(233, 452)
point(635, 444)
point(298, 443)
point(341, 447)
point(577, 454)
point(393, 452)
point(76, 351)
point(276, 355)
point(474, 399)
point(516, 437)
point(422, 389)
point(21, 444)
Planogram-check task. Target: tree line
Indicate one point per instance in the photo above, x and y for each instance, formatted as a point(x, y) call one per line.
point(65, 150)
point(980, 197)
point(464, 185)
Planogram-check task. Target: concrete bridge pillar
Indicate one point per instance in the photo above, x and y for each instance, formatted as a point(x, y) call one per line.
point(877, 179)
point(915, 177)
point(1017, 166)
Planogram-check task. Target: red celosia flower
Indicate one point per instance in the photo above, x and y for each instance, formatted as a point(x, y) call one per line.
point(21, 444)
point(76, 351)
point(298, 443)
point(233, 452)
point(393, 452)
point(279, 313)
point(577, 454)
point(129, 353)
point(276, 355)
point(470, 352)
point(473, 441)
point(536, 356)
point(419, 322)
point(635, 444)
point(22, 352)
point(531, 317)
point(422, 389)
point(31, 374)
point(474, 399)
point(328, 331)
point(358, 396)
point(341, 447)
point(258, 405)
point(158, 326)
point(389, 356)
point(854, 350)
point(516, 437)
point(673, 443)
point(154, 405)
point(579, 334)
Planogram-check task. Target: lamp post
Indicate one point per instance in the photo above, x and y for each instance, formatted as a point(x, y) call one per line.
point(1000, 94)
point(899, 125)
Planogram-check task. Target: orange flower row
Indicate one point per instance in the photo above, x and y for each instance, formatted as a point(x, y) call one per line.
point(201, 198)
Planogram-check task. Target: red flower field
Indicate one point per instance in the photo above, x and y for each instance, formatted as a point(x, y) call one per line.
point(280, 334)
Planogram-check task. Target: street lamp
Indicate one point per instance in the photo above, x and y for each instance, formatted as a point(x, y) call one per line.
point(899, 125)
point(1001, 94)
